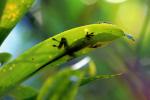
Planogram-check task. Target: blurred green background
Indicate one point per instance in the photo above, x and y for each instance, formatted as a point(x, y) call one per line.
point(50, 17)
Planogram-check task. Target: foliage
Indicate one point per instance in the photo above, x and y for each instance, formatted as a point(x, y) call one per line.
point(64, 47)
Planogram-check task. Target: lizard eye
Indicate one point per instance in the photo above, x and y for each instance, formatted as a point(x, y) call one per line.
point(129, 36)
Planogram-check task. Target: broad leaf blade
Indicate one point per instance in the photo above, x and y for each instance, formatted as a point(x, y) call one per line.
point(36, 58)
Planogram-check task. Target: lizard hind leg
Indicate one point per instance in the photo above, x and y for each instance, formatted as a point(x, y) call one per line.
point(55, 40)
point(62, 42)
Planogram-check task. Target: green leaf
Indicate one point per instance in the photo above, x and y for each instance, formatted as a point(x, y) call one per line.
point(12, 13)
point(92, 68)
point(5, 57)
point(97, 77)
point(23, 93)
point(62, 86)
point(2, 5)
point(44, 54)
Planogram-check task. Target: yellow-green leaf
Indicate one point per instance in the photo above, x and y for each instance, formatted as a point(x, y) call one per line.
point(13, 11)
point(44, 53)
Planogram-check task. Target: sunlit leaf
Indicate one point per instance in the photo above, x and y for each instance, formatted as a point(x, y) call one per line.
point(12, 13)
point(45, 53)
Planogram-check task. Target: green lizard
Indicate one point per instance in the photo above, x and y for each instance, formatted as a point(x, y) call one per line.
point(90, 40)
